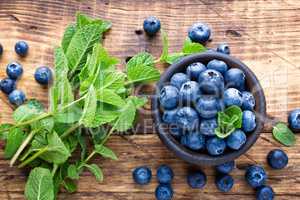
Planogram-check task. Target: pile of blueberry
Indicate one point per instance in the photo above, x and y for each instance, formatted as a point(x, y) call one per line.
point(14, 71)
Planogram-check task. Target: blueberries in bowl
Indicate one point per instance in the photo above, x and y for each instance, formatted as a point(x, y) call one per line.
point(215, 146)
point(235, 78)
point(208, 126)
point(248, 121)
point(187, 118)
point(194, 70)
point(189, 91)
point(193, 140)
point(248, 101)
point(168, 97)
point(233, 96)
point(211, 82)
point(218, 65)
point(178, 79)
point(236, 139)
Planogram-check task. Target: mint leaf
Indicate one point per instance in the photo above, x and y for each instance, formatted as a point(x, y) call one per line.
point(235, 111)
point(68, 116)
point(190, 47)
point(28, 111)
point(126, 118)
point(73, 172)
point(165, 51)
point(39, 185)
point(83, 20)
point(94, 169)
point(138, 101)
point(110, 80)
point(110, 97)
point(105, 152)
point(69, 185)
point(104, 114)
point(4, 131)
point(14, 139)
point(284, 135)
point(174, 57)
point(67, 37)
point(89, 110)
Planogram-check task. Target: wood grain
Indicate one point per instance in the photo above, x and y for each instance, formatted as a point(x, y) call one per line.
point(264, 34)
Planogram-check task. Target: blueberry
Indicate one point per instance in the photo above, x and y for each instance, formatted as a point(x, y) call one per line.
point(7, 85)
point(236, 139)
point(208, 107)
point(168, 97)
point(248, 121)
point(193, 70)
point(14, 70)
point(196, 179)
point(21, 48)
point(225, 168)
point(256, 176)
point(193, 140)
point(223, 48)
point(215, 146)
point(17, 97)
point(235, 78)
point(248, 101)
point(164, 192)
point(187, 118)
point(208, 126)
point(199, 32)
point(142, 175)
point(164, 174)
point(178, 79)
point(233, 97)
point(294, 119)
point(211, 82)
point(224, 182)
point(176, 131)
point(43, 75)
point(264, 193)
point(151, 25)
point(277, 159)
point(169, 116)
point(1, 49)
point(218, 65)
point(189, 91)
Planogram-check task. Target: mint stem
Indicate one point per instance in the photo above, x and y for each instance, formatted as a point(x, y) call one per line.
point(70, 130)
point(33, 157)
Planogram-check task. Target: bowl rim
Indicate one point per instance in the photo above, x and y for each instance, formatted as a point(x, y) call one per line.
point(201, 159)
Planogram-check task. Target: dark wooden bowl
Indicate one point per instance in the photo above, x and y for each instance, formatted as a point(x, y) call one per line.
point(198, 158)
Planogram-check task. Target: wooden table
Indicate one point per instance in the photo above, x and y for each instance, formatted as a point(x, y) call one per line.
point(265, 34)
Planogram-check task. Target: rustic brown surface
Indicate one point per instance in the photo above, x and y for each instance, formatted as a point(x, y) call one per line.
point(265, 34)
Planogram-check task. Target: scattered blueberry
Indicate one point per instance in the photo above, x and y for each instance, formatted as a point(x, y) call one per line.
point(7, 85)
point(223, 48)
point(151, 25)
point(248, 101)
point(208, 126)
point(196, 179)
point(176, 131)
point(233, 97)
point(236, 139)
point(14, 70)
point(169, 97)
point(294, 119)
point(264, 193)
point(43, 75)
point(169, 116)
point(193, 70)
point(215, 146)
point(277, 159)
point(21, 48)
point(207, 106)
point(17, 97)
point(193, 140)
point(235, 78)
point(199, 32)
point(218, 65)
point(224, 182)
point(164, 174)
point(187, 118)
point(248, 121)
point(211, 82)
point(226, 168)
point(256, 176)
point(189, 91)
point(1, 49)
point(178, 79)
point(142, 175)
point(164, 192)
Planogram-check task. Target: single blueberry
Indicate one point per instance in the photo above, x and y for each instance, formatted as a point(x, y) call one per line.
point(208, 126)
point(164, 192)
point(178, 79)
point(194, 70)
point(218, 65)
point(236, 139)
point(7, 85)
point(187, 118)
point(207, 106)
point(1, 49)
point(199, 32)
point(176, 131)
point(21, 48)
point(189, 91)
point(294, 119)
point(248, 121)
point(168, 97)
point(43, 75)
point(225, 168)
point(196, 179)
point(235, 78)
point(211, 82)
point(169, 116)
point(277, 159)
point(14, 70)
point(164, 174)
point(193, 140)
point(265, 193)
point(224, 182)
point(223, 48)
point(256, 176)
point(233, 97)
point(248, 101)
point(17, 97)
point(215, 146)
point(151, 25)
point(142, 175)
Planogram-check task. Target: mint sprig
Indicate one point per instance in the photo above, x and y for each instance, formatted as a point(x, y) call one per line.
point(283, 134)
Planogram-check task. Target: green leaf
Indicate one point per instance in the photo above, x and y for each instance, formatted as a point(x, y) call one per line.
point(68, 35)
point(94, 169)
point(4, 130)
point(283, 134)
point(138, 101)
point(165, 51)
point(224, 131)
point(28, 111)
point(126, 118)
point(39, 185)
point(69, 185)
point(105, 152)
point(105, 113)
point(110, 97)
point(73, 172)
point(235, 111)
point(190, 47)
point(70, 115)
point(113, 80)
point(82, 142)
point(43, 124)
point(174, 57)
point(14, 139)
point(83, 20)
point(140, 68)
point(89, 110)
